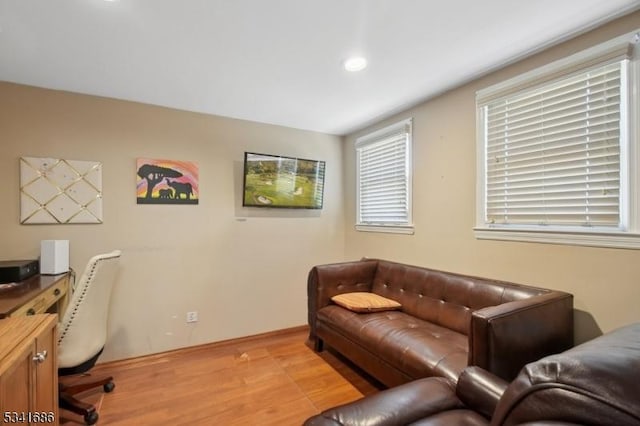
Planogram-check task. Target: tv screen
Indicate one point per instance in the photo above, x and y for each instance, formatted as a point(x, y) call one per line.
point(277, 181)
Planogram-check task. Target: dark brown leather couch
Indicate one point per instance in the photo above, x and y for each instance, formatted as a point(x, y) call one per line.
point(447, 322)
point(596, 383)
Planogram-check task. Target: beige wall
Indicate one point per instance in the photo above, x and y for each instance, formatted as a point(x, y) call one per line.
point(605, 282)
point(243, 270)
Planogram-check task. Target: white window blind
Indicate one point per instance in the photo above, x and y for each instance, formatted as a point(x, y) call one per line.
point(553, 152)
point(384, 168)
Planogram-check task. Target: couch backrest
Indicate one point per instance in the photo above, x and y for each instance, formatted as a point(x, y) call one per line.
point(444, 298)
point(597, 382)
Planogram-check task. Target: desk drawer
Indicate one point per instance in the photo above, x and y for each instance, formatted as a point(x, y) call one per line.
point(42, 302)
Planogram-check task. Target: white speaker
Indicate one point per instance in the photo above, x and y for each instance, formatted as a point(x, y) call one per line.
point(54, 257)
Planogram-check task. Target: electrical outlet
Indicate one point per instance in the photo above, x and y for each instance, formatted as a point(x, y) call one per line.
point(192, 316)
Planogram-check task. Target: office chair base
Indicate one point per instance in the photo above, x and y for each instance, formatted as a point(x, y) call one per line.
point(68, 401)
point(87, 411)
point(91, 418)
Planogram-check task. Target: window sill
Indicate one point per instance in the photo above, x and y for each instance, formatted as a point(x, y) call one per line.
point(610, 239)
point(396, 229)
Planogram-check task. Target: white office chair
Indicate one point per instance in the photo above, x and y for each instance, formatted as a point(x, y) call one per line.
point(83, 332)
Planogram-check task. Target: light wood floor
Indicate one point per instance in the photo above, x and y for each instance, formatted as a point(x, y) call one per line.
point(272, 379)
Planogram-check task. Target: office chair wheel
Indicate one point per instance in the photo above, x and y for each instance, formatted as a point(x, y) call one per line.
point(108, 387)
point(91, 418)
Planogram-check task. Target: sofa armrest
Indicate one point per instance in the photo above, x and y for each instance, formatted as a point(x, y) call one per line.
point(503, 338)
point(400, 405)
point(325, 281)
point(480, 390)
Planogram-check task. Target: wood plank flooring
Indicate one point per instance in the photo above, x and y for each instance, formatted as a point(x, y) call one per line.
point(271, 379)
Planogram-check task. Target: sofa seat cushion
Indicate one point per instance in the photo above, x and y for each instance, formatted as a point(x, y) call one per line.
point(414, 346)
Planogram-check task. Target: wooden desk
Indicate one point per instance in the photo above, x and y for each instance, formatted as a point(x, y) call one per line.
point(36, 295)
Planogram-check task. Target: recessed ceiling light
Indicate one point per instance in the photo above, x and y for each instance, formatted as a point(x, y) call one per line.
point(357, 63)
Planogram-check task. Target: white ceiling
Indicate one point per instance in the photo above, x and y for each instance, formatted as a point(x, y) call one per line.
point(279, 61)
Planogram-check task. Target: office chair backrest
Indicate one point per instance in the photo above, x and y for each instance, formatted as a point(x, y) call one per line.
point(83, 329)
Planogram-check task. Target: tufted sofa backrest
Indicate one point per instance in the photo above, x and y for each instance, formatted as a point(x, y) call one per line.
point(444, 298)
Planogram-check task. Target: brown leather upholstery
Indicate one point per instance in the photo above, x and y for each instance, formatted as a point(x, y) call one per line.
point(431, 401)
point(596, 383)
point(429, 349)
point(447, 322)
point(396, 406)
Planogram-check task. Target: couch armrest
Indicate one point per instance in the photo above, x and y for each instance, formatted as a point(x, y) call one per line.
point(325, 281)
point(480, 390)
point(400, 405)
point(503, 338)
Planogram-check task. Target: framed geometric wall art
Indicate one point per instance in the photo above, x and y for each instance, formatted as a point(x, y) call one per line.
point(167, 182)
point(56, 191)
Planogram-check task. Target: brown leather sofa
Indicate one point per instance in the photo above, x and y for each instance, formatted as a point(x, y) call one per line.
point(596, 383)
point(447, 322)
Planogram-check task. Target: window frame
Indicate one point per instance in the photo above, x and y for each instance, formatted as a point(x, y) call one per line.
point(373, 138)
point(628, 234)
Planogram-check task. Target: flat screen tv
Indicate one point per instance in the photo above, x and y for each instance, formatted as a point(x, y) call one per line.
point(278, 181)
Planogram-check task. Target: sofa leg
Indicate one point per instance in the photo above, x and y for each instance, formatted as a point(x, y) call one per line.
point(318, 345)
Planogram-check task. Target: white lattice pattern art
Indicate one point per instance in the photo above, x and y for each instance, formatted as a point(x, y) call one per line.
point(60, 191)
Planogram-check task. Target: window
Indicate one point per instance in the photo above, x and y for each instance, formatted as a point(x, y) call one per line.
point(383, 167)
point(557, 152)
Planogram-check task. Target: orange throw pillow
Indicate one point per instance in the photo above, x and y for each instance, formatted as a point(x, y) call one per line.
point(365, 302)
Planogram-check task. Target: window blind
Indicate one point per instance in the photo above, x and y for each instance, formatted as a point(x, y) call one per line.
point(383, 178)
point(553, 152)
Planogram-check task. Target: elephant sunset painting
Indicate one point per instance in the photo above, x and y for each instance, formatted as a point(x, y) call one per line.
point(167, 182)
